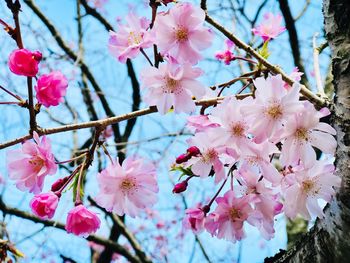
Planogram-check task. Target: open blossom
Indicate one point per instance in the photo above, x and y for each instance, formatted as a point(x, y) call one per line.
point(172, 85)
point(304, 131)
point(24, 62)
point(194, 220)
point(271, 108)
point(44, 205)
point(233, 129)
point(229, 217)
point(51, 88)
point(257, 157)
point(82, 222)
point(29, 165)
point(263, 198)
point(130, 38)
point(127, 189)
point(180, 33)
point(226, 55)
point(270, 27)
point(306, 186)
point(211, 151)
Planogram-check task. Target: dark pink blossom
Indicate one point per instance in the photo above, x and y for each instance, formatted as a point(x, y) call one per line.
point(24, 62)
point(44, 205)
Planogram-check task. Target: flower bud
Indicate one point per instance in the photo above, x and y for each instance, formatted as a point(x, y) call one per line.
point(193, 151)
point(44, 205)
point(182, 158)
point(180, 187)
point(24, 62)
point(58, 184)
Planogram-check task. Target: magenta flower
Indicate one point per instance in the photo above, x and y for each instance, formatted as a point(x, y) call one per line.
point(226, 55)
point(271, 108)
point(304, 131)
point(51, 88)
point(194, 220)
point(82, 222)
point(180, 33)
point(306, 186)
point(127, 189)
point(270, 27)
point(130, 38)
point(44, 205)
point(172, 85)
point(24, 62)
point(29, 166)
point(230, 215)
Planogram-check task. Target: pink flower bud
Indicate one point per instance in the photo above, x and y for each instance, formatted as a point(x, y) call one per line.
point(51, 88)
point(180, 187)
point(82, 222)
point(58, 184)
point(44, 205)
point(193, 151)
point(24, 62)
point(182, 158)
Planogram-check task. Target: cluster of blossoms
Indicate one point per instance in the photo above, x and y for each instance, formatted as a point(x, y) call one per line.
point(239, 141)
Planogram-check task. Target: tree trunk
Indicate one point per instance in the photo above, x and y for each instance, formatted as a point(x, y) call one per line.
point(329, 239)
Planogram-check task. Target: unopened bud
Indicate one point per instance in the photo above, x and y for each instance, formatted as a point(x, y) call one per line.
point(37, 56)
point(193, 151)
point(182, 158)
point(180, 187)
point(58, 184)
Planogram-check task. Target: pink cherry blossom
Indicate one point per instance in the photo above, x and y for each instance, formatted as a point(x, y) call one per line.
point(295, 75)
point(233, 129)
point(127, 189)
point(51, 88)
point(304, 131)
point(172, 85)
point(44, 205)
point(82, 222)
point(306, 186)
point(263, 198)
point(200, 123)
point(194, 220)
point(257, 156)
point(29, 165)
point(270, 27)
point(24, 62)
point(210, 149)
point(180, 33)
point(230, 214)
point(271, 108)
point(226, 55)
point(130, 38)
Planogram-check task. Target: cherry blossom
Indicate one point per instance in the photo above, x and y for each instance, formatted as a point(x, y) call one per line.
point(44, 205)
point(29, 165)
point(24, 62)
point(130, 38)
point(226, 55)
point(200, 123)
point(172, 85)
point(194, 220)
point(304, 131)
point(306, 186)
point(271, 108)
point(51, 88)
point(128, 188)
point(270, 27)
point(82, 222)
point(180, 33)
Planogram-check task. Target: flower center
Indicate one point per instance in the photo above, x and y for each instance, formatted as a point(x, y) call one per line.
point(237, 130)
point(181, 34)
point(37, 163)
point(134, 38)
point(209, 156)
point(170, 85)
point(309, 187)
point(127, 184)
point(274, 111)
point(234, 214)
point(301, 134)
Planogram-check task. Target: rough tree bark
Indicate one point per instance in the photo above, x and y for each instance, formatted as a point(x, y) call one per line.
point(329, 239)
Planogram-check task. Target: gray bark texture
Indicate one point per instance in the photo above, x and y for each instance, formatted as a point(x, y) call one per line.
point(329, 239)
